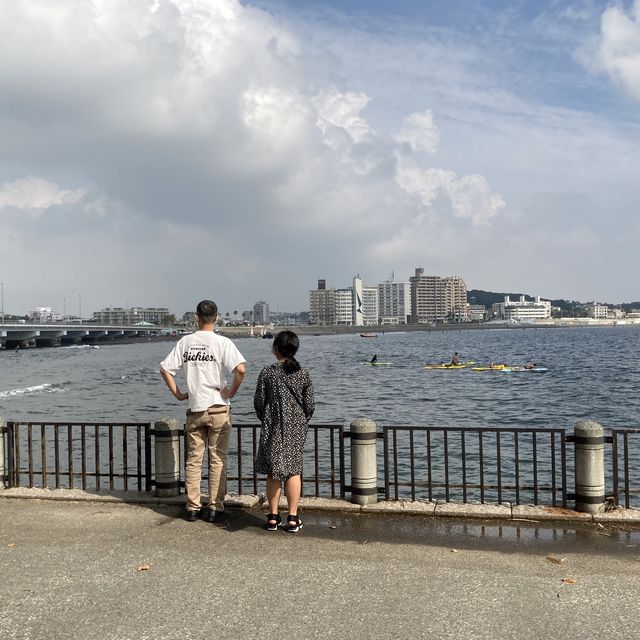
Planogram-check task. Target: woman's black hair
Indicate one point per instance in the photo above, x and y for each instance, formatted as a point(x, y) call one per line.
point(286, 343)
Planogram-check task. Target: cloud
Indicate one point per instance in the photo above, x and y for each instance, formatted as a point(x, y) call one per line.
point(34, 195)
point(616, 50)
point(419, 132)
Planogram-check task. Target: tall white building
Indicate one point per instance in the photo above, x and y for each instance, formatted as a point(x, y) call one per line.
point(597, 310)
point(344, 306)
point(394, 302)
point(365, 304)
point(522, 310)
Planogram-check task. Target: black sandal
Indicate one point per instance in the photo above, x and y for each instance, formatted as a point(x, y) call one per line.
point(294, 524)
point(273, 521)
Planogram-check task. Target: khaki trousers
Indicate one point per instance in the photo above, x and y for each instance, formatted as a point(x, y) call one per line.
point(208, 428)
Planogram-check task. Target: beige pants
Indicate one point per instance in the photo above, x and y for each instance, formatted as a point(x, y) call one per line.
point(208, 428)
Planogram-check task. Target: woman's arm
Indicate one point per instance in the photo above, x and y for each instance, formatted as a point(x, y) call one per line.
point(308, 401)
point(260, 396)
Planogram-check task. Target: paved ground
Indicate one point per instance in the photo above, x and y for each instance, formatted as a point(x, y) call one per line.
point(69, 570)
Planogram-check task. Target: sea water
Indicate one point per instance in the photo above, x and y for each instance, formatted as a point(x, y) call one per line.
point(593, 373)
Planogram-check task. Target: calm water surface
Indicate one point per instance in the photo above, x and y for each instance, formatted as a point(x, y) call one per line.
point(593, 373)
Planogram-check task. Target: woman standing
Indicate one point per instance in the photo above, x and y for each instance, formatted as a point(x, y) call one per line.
point(284, 403)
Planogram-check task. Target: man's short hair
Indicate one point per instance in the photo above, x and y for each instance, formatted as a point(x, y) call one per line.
point(207, 311)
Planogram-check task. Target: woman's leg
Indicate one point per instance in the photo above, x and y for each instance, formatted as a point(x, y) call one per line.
point(274, 491)
point(292, 489)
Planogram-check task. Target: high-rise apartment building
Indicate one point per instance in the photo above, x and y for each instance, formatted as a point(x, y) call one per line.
point(261, 312)
point(365, 303)
point(322, 304)
point(344, 306)
point(436, 299)
point(394, 302)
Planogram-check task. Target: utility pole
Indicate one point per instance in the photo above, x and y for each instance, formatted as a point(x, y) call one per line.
point(2, 287)
point(80, 307)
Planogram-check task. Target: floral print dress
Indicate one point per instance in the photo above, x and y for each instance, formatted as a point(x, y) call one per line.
point(283, 403)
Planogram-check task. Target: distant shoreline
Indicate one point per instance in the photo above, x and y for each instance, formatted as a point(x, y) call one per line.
point(325, 330)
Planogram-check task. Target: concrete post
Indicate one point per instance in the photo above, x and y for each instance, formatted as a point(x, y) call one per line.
point(589, 448)
point(363, 462)
point(167, 458)
point(3, 484)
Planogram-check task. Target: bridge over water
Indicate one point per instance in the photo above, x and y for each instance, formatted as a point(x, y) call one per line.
point(22, 336)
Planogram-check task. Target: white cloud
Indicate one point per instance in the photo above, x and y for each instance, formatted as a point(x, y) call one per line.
point(616, 50)
point(34, 195)
point(419, 132)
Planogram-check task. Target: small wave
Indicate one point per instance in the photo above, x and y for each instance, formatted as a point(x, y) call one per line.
point(38, 388)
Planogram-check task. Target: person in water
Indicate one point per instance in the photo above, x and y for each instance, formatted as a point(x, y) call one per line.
point(374, 360)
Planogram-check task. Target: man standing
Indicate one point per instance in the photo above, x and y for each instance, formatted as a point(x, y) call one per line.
point(206, 357)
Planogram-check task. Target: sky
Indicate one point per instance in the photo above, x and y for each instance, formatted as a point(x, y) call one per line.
point(158, 152)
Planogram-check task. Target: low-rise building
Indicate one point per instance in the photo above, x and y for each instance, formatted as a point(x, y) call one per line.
point(597, 310)
point(522, 310)
point(134, 315)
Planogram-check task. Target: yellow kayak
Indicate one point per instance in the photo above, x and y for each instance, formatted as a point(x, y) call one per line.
point(496, 367)
point(445, 366)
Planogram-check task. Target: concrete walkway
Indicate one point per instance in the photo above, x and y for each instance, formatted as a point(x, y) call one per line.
point(105, 570)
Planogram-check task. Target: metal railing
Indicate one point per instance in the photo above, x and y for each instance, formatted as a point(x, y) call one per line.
point(93, 456)
point(323, 473)
point(463, 464)
point(515, 465)
point(625, 467)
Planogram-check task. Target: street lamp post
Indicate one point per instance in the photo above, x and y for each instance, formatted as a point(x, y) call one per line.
point(2, 288)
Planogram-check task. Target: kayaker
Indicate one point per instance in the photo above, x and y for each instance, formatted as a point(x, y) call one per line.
point(455, 358)
point(374, 360)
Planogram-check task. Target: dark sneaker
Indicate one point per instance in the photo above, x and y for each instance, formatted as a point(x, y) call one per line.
point(218, 516)
point(192, 515)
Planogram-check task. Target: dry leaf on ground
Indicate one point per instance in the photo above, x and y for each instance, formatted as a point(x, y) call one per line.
point(568, 581)
point(11, 544)
point(556, 560)
point(143, 567)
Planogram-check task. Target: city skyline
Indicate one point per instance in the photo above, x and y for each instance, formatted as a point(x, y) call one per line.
point(165, 152)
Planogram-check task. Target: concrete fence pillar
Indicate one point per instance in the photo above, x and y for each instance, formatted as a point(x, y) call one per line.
point(167, 458)
point(589, 448)
point(3, 470)
point(364, 482)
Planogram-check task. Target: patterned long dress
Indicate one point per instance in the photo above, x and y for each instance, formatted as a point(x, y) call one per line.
point(283, 403)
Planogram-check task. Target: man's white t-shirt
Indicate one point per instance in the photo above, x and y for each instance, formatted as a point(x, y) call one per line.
point(206, 358)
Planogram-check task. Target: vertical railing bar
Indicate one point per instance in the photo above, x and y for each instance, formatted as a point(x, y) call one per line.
point(316, 453)
point(70, 455)
point(97, 449)
point(395, 463)
point(627, 500)
point(554, 486)
point(147, 458)
point(534, 444)
point(446, 464)
point(111, 474)
point(83, 441)
point(139, 455)
point(499, 463)
point(614, 466)
point(125, 459)
point(30, 451)
point(429, 472)
point(516, 446)
point(481, 456)
point(343, 473)
point(332, 444)
point(56, 454)
point(43, 455)
point(11, 454)
point(239, 456)
point(563, 466)
point(464, 466)
point(385, 461)
point(413, 467)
